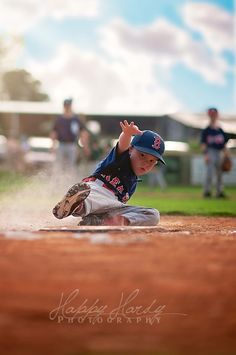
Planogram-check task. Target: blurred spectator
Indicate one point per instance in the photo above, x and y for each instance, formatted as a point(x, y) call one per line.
point(66, 132)
point(213, 143)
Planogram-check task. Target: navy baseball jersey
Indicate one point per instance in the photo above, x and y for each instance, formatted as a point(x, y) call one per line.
point(116, 173)
point(67, 129)
point(214, 138)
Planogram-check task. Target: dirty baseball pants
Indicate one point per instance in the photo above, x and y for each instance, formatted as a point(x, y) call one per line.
point(102, 203)
point(214, 169)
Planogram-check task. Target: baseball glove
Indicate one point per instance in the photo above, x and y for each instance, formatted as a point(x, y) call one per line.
point(226, 164)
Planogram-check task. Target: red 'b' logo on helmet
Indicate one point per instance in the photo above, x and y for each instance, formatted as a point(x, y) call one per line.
point(157, 143)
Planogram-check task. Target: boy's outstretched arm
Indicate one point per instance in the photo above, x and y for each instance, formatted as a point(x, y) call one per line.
point(128, 130)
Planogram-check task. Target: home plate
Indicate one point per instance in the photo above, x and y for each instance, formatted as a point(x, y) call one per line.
point(102, 229)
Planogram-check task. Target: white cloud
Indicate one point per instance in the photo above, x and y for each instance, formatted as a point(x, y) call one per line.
point(211, 67)
point(71, 8)
point(165, 45)
point(214, 23)
point(102, 86)
point(132, 70)
point(17, 16)
point(161, 41)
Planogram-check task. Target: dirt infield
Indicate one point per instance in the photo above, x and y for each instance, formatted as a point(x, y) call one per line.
point(167, 290)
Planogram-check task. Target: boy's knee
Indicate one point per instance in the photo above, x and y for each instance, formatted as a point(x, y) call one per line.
point(154, 216)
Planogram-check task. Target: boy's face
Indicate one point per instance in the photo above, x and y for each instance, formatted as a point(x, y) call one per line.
point(141, 163)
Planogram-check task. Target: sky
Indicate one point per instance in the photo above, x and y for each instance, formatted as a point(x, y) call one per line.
point(127, 56)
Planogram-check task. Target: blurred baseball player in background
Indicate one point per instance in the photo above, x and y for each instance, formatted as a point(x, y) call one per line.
point(66, 132)
point(213, 143)
point(100, 199)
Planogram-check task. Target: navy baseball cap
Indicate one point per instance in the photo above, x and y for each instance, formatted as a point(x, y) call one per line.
point(212, 109)
point(151, 143)
point(67, 102)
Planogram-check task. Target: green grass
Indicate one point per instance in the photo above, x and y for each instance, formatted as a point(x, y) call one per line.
point(10, 181)
point(185, 201)
point(177, 200)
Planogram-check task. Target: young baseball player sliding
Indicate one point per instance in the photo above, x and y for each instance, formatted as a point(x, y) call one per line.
point(100, 199)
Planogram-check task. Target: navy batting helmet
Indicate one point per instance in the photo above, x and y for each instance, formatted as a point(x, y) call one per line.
point(151, 143)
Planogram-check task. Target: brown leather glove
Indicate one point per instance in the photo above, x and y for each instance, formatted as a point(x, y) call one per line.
point(226, 164)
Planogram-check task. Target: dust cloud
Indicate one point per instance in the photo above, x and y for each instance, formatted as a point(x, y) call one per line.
point(30, 207)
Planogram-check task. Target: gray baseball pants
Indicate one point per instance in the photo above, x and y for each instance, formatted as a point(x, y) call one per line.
point(102, 203)
point(214, 169)
point(66, 156)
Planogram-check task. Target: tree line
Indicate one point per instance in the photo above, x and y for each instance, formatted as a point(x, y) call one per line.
point(17, 84)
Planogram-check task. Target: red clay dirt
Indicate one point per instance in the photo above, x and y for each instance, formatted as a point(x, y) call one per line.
point(168, 290)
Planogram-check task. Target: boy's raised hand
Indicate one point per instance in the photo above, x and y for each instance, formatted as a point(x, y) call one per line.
point(129, 128)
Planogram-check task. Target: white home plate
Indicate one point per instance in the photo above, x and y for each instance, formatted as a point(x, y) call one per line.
point(101, 229)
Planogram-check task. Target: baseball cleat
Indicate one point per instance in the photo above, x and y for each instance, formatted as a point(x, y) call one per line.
point(71, 201)
point(221, 195)
point(207, 194)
